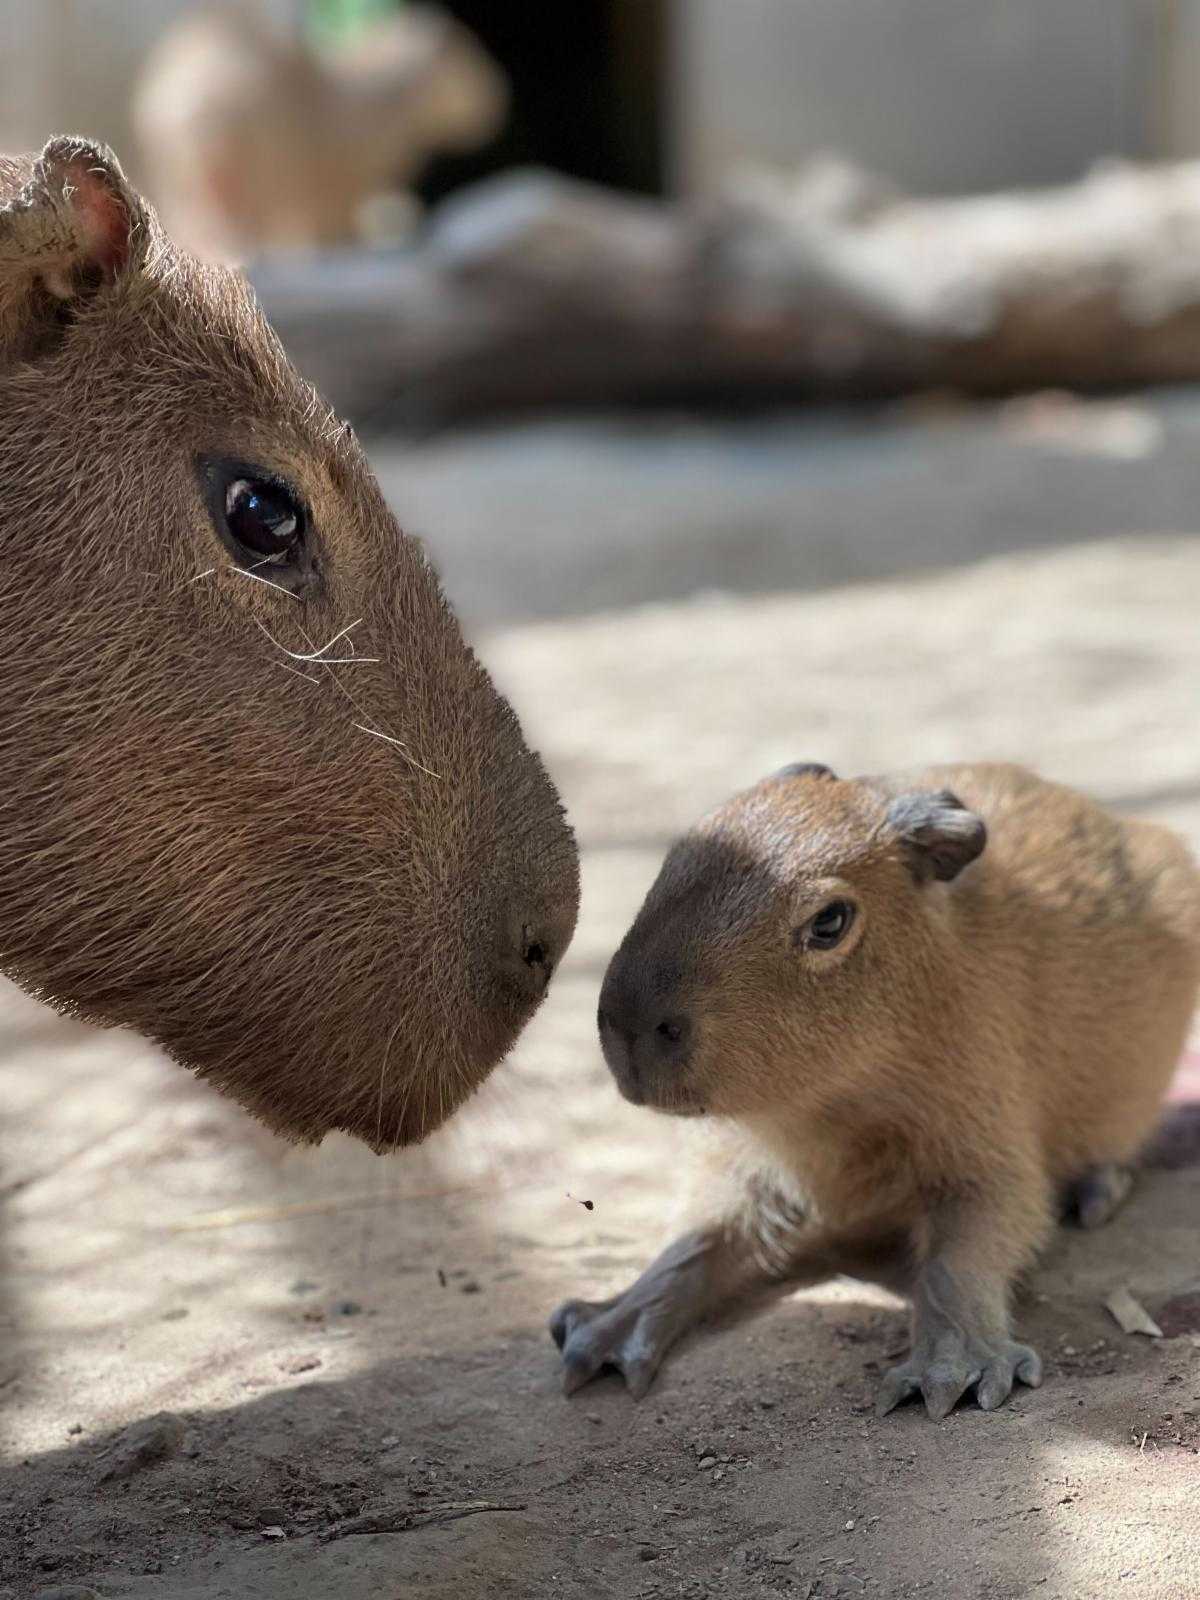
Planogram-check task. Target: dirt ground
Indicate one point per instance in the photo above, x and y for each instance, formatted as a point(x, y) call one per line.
point(339, 1335)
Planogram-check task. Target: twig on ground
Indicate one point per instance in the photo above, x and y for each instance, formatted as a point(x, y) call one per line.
point(400, 1520)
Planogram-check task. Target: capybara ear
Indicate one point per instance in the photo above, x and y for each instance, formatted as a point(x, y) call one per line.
point(75, 227)
point(939, 835)
point(805, 769)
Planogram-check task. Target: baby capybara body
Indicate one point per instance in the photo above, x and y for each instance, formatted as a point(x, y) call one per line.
point(259, 799)
point(925, 1014)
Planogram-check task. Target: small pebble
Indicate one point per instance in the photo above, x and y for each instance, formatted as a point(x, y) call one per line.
point(470, 1286)
point(308, 1362)
point(347, 1308)
point(849, 1528)
point(274, 1532)
point(706, 1462)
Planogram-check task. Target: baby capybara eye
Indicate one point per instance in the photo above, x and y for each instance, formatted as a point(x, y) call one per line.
point(828, 928)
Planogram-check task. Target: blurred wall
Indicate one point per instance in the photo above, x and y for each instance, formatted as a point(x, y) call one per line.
point(941, 95)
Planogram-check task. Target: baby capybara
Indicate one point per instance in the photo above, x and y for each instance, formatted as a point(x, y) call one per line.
point(921, 1013)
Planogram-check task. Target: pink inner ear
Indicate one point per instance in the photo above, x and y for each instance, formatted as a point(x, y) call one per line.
point(101, 216)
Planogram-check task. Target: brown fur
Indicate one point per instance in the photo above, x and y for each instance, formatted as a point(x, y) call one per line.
point(973, 1050)
point(195, 839)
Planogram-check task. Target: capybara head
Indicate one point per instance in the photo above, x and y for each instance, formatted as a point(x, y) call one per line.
point(781, 942)
point(258, 799)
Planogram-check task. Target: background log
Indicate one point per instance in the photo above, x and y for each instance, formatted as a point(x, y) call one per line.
point(535, 291)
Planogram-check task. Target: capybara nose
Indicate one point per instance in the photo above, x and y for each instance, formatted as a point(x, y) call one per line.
point(662, 1037)
point(640, 1044)
point(619, 1046)
point(533, 949)
point(671, 1037)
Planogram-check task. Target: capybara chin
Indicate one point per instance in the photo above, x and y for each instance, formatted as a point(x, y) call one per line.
point(925, 1012)
point(259, 799)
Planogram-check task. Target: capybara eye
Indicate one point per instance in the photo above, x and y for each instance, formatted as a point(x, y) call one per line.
point(264, 518)
point(829, 927)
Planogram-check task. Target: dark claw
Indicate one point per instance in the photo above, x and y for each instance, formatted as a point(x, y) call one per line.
point(894, 1390)
point(560, 1322)
point(943, 1386)
point(578, 1369)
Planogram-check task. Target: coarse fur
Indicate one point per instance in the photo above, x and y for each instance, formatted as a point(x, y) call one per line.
point(317, 883)
point(993, 1035)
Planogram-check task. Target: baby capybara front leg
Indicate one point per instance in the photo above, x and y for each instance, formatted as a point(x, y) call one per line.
point(961, 1337)
point(758, 1242)
point(735, 1234)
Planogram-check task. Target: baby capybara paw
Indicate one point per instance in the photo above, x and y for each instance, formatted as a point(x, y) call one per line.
point(620, 1333)
point(941, 1370)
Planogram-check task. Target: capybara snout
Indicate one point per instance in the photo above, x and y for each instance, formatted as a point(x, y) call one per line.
point(260, 799)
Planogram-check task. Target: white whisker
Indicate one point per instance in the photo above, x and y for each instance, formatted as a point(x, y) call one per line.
point(258, 578)
point(400, 744)
point(318, 657)
point(206, 574)
point(308, 676)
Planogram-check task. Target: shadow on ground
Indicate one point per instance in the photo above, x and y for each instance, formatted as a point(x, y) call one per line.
point(755, 1465)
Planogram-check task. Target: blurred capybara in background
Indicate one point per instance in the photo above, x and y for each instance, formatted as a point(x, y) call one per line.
point(258, 798)
point(253, 141)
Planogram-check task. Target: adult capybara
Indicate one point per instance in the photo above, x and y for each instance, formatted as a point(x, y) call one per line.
point(258, 798)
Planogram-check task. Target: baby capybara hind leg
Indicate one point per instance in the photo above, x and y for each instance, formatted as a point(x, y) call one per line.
point(1096, 1196)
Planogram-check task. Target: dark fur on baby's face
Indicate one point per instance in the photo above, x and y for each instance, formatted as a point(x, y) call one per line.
point(334, 890)
point(774, 932)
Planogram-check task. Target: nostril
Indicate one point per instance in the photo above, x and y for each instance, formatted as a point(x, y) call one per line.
point(671, 1030)
point(534, 954)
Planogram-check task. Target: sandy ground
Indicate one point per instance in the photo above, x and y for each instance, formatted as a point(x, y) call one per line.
point(339, 1334)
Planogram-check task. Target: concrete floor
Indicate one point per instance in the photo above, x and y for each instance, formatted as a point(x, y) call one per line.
point(571, 516)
